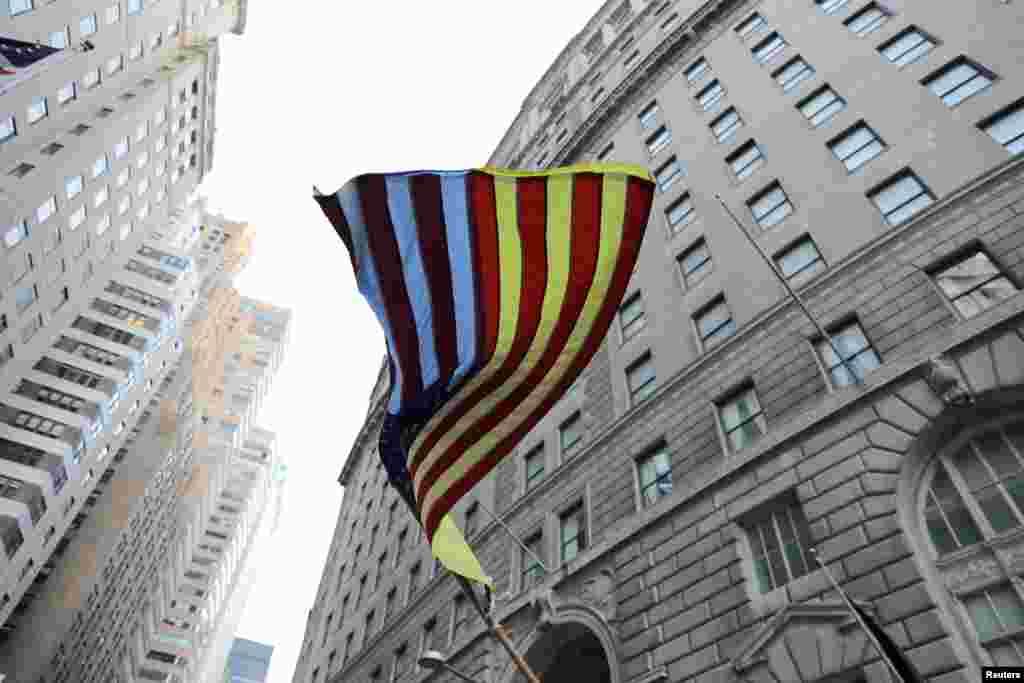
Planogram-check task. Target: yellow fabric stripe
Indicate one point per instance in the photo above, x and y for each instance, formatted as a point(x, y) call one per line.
point(449, 546)
point(510, 258)
point(613, 168)
point(613, 212)
point(559, 219)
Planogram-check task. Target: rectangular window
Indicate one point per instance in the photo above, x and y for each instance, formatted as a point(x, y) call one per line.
point(668, 173)
point(857, 146)
point(37, 111)
point(17, 7)
point(800, 262)
point(1007, 127)
point(59, 39)
point(659, 140)
point(901, 197)
point(868, 20)
point(711, 95)
point(91, 79)
point(534, 466)
point(857, 355)
point(76, 218)
point(115, 64)
point(606, 152)
point(821, 106)
point(753, 25)
point(100, 197)
point(46, 209)
point(831, 6)
point(123, 177)
point(959, 80)
point(695, 263)
point(100, 167)
point(793, 73)
point(654, 474)
point(113, 13)
point(641, 379)
point(769, 47)
point(67, 93)
point(533, 571)
point(726, 125)
point(15, 234)
point(631, 316)
point(121, 148)
point(908, 47)
point(973, 283)
point(572, 532)
point(25, 297)
point(742, 420)
point(770, 206)
point(680, 213)
point(745, 160)
point(570, 433)
point(135, 52)
point(649, 116)
point(996, 611)
point(459, 617)
point(87, 25)
point(8, 129)
point(714, 323)
point(779, 541)
point(696, 71)
point(134, 6)
point(472, 520)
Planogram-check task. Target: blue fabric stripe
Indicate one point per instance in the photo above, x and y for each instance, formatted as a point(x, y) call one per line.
point(406, 234)
point(369, 280)
point(460, 257)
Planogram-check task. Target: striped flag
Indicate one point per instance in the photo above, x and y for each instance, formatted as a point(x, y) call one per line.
point(20, 61)
point(494, 289)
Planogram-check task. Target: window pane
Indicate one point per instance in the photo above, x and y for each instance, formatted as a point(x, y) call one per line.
point(738, 410)
point(984, 616)
point(898, 193)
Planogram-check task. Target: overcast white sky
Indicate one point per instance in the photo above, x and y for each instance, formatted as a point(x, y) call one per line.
point(315, 93)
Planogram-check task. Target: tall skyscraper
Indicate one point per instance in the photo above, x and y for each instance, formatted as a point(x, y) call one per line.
point(871, 152)
point(248, 662)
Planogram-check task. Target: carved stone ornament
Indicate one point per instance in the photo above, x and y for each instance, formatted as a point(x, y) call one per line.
point(1012, 557)
point(599, 592)
point(963, 576)
point(543, 600)
point(942, 376)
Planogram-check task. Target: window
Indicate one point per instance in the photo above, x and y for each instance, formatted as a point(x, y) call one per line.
point(793, 73)
point(370, 624)
point(769, 47)
point(46, 209)
point(858, 357)
point(745, 160)
point(1007, 127)
point(534, 466)
point(726, 125)
point(654, 473)
point(135, 52)
point(741, 418)
point(327, 629)
point(91, 79)
point(134, 6)
point(389, 605)
point(572, 532)
point(15, 234)
point(87, 25)
point(115, 64)
point(76, 218)
point(121, 148)
point(710, 96)
point(401, 662)
point(142, 131)
point(779, 543)
point(753, 25)
point(25, 297)
point(695, 263)
point(868, 20)
point(67, 93)
point(172, 30)
point(821, 106)
point(533, 570)
point(459, 616)
point(770, 206)
point(414, 579)
point(641, 378)
point(908, 47)
point(155, 41)
point(123, 177)
point(857, 146)
point(113, 13)
point(570, 433)
point(659, 140)
point(8, 129)
point(973, 283)
point(649, 116)
point(37, 111)
point(959, 80)
point(901, 197)
point(59, 39)
point(606, 152)
point(680, 213)
point(17, 7)
point(631, 316)
point(714, 323)
point(696, 71)
point(100, 167)
point(800, 262)
point(472, 519)
point(831, 6)
point(668, 173)
point(996, 611)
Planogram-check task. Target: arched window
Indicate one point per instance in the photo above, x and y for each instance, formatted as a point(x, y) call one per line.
point(973, 511)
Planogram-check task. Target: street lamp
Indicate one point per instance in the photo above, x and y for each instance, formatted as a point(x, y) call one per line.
point(435, 661)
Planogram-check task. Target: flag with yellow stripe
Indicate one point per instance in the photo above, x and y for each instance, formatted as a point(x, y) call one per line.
point(494, 289)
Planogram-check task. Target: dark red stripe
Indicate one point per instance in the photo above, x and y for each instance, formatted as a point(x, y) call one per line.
point(332, 209)
point(428, 208)
point(639, 197)
point(384, 250)
point(532, 210)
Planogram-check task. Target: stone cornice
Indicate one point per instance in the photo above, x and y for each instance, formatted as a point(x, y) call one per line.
point(371, 425)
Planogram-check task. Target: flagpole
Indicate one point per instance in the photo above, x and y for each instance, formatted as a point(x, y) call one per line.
point(860, 620)
point(515, 538)
point(792, 293)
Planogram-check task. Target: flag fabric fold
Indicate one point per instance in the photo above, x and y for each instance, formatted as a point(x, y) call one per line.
point(494, 289)
point(20, 61)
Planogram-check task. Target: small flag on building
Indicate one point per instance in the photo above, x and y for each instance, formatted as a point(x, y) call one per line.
point(494, 289)
point(20, 61)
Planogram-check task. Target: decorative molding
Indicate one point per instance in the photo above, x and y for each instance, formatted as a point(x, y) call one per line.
point(971, 573)
point(945, 380)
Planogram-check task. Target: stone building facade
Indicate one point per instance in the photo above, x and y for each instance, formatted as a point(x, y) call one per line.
point(871, 151)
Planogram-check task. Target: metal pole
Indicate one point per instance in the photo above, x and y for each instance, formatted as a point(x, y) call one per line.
point(860, 620)
point(792, 294)
point(497, 631)
point(515, 538)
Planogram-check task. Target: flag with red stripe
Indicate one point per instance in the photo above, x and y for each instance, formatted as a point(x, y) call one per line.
point(494, 289)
